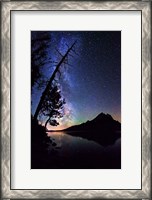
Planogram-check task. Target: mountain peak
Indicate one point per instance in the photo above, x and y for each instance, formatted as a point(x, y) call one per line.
point(102, 129)
point(102, 116)
point(100, 122)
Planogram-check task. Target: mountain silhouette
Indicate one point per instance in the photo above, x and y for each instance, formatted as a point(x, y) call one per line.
point(103, 129)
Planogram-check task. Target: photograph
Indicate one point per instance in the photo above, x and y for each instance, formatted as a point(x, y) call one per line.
point(76, 85)
point(75, 99)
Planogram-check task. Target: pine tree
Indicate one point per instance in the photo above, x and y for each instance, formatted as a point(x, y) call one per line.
point(40, 44)
point(52, 106)
point(64, 60)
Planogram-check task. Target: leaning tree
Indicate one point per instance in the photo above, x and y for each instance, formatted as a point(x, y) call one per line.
point(51, 103)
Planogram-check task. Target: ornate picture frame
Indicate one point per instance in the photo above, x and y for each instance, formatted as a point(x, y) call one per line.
point(7, 7)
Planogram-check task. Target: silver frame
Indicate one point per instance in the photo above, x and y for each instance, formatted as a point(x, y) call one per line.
point(145, 8)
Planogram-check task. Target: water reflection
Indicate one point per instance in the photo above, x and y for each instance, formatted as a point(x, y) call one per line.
point(66, 151)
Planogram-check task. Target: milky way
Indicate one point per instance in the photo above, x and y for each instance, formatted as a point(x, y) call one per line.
point(92, 84)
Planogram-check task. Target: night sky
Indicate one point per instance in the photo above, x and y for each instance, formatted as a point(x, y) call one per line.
point(93, 83)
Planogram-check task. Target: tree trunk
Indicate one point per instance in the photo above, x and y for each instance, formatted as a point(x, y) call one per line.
point(50, 82)
point(47, 123)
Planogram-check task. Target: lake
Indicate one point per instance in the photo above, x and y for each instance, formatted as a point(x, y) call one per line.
point(70, 152)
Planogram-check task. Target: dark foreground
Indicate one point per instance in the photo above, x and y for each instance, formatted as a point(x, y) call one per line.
point(59, 150)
